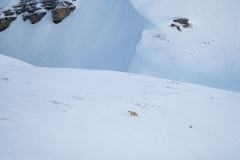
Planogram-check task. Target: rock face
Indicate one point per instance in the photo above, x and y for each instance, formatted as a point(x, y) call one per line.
point(61, 13)
point(5, 22)
point(35, 17)
point(30, 10)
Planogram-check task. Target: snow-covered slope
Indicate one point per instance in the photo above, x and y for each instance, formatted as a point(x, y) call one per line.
point(51, 113)
point(98, 35)
point(135, 36)
point(206, 53)
point(5, 60)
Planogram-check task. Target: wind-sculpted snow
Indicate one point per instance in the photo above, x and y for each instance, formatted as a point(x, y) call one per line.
point(52, 113)
point(206, 53)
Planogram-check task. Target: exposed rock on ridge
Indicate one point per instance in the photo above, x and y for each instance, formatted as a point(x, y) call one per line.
point(62, 12)
point(5, 22)
point(35, 17)
point(183, 21)
point(35, 10)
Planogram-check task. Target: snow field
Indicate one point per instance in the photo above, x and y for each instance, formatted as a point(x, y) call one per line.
point(51, 113)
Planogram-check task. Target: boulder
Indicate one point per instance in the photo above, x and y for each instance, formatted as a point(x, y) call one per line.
point(35, 17)
point(60, 14)
point(5, 22)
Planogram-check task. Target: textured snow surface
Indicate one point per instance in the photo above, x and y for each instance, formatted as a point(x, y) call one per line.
point(135, 36)
point(51, 113)
point(206, 53)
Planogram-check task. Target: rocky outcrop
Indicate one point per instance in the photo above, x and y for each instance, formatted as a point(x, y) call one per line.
point(5, 22)
point(61, 13)
point(183, 21)
point(8, 12)
point(26, 8)
point(35, 17)
point(49, 5)
point(30, 10)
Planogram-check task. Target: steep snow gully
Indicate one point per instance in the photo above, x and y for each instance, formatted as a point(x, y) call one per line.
point(97, 35)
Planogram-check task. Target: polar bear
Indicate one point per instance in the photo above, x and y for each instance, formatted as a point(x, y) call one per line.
point(133, 113)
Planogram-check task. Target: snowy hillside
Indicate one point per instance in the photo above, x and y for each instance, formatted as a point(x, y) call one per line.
point(51, 113)
point(136, 36)
point(206, 53)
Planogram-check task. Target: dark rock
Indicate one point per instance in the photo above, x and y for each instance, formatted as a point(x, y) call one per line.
point(72, 8)
point(183, 21)
point(60, 14)
point(33, 9)
point(32, 4)
point(18, 11)
point(25, 8)
point(68, 3)
point(35, 17)
point(178, 27)
point(17, 6)
point(5, 22)
point(8, 12)
point(49, 3)
point(50, 7)
point(29, 10)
